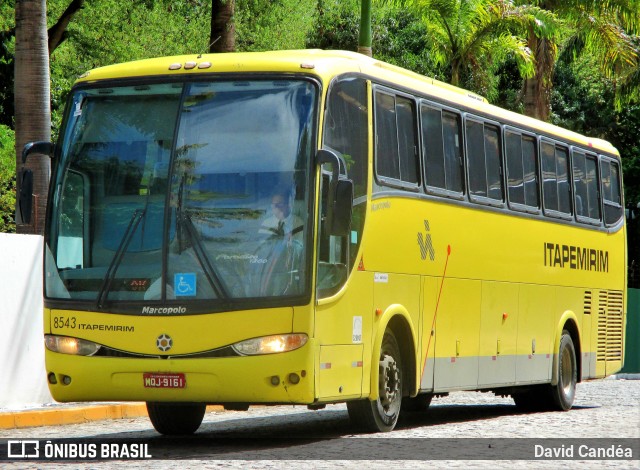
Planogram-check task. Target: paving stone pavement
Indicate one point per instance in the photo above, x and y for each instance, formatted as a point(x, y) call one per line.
point(603, 409)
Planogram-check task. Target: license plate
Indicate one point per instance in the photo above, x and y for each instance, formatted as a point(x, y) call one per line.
point(155, 380)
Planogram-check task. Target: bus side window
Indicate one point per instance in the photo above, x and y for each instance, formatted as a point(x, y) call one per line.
point(515, 167)
point(564, 190)
point(611, 191)
point(396, 145)
point(433, 145)
point(441, 141)
point(483, 157)
point(555, 176)
point(452, 133)
point(530, 171)
point(333, 251)
point(346, 133)
point(585, 184)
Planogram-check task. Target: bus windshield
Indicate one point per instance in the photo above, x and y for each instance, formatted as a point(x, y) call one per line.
point(178, 192)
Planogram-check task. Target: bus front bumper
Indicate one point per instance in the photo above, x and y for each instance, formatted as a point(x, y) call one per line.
point(274, 378)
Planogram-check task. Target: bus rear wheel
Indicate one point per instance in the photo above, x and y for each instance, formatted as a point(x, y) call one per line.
point(554, 397)
point(563, 393)
point(382, 414)
point(174, 419)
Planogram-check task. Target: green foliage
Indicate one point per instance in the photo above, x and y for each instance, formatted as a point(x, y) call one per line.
point(399, 37)
point(474, 37)
point(7, 180)
point(584, 101)
point(336, 26)
point(7, 44)
point(273, 25)
point(111, 31)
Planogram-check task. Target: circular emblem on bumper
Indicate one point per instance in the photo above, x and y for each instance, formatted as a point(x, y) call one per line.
point(164, 342)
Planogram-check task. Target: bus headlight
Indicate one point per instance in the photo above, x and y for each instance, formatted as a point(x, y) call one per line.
point(68, 345)
point(271, 344)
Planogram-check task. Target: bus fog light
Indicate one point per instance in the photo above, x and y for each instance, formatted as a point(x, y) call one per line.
point(275, 380)
point(294, 378)
point(68, 345)
point(52, 378)
point(66, 379)
point(271, 344)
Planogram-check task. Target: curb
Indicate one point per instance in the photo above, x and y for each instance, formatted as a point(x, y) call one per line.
point(76, 415)
point(70, 415)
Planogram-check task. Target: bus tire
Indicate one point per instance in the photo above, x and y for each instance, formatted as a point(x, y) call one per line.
point(381, 415)
point(533, 398)
point(418, 403)
point(174, 419)
point(563, 392)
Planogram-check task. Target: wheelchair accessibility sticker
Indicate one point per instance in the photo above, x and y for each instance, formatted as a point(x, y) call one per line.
point(184, 284)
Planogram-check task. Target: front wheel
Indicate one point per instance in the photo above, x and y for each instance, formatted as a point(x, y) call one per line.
point(382, 414)
point(174, 419)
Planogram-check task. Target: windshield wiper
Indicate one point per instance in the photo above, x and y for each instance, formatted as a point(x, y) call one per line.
point(212, 276)
point(117, 257)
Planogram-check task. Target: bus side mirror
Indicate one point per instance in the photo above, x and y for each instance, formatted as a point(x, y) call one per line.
point(25, 197)
point(41, 147)
point(340, 197)
point(342, 208)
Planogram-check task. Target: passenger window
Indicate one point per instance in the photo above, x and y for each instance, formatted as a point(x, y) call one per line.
point(515, 168)
point(433, 145)
point(407, 144)
point(564, 190)
point(610, 174)
point(441, 141)
point(585, 184)
point(522, 177)
point(396, 145)
point(555, 174)
point(483, 158)
point(529, 167)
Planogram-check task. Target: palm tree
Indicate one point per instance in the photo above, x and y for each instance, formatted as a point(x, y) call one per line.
point(223, 34)
point(32, 101)
point(364, 39)
point(472, 37)
point(598, 27)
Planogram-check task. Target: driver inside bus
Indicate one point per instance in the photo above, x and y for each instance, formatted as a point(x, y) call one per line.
point(282, 222)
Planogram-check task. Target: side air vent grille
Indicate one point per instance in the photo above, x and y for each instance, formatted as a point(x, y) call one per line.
point(610, 306)
point(587, 302)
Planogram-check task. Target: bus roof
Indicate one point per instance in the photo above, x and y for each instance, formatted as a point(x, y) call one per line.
point(328, 64)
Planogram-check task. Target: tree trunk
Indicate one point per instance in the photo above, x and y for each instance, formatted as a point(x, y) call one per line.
point(223, 33)
point(32, 103)
point(536, 91)
point(364, 40)
point(455, 71)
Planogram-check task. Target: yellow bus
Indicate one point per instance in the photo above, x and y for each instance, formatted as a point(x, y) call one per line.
point(315, 227)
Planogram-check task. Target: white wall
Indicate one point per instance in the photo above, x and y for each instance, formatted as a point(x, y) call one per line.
point(22, 372)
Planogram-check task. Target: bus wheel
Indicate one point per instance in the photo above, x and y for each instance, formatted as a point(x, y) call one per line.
point(534, 398)
point(563, 393)
point(418, 403)
point(175, 419)
point(382, 414)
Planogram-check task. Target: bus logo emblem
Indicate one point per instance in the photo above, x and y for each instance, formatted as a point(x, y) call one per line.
point(425, 243)
point(164, 342)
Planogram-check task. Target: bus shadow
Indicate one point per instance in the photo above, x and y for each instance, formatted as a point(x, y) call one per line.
point(304, 434)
